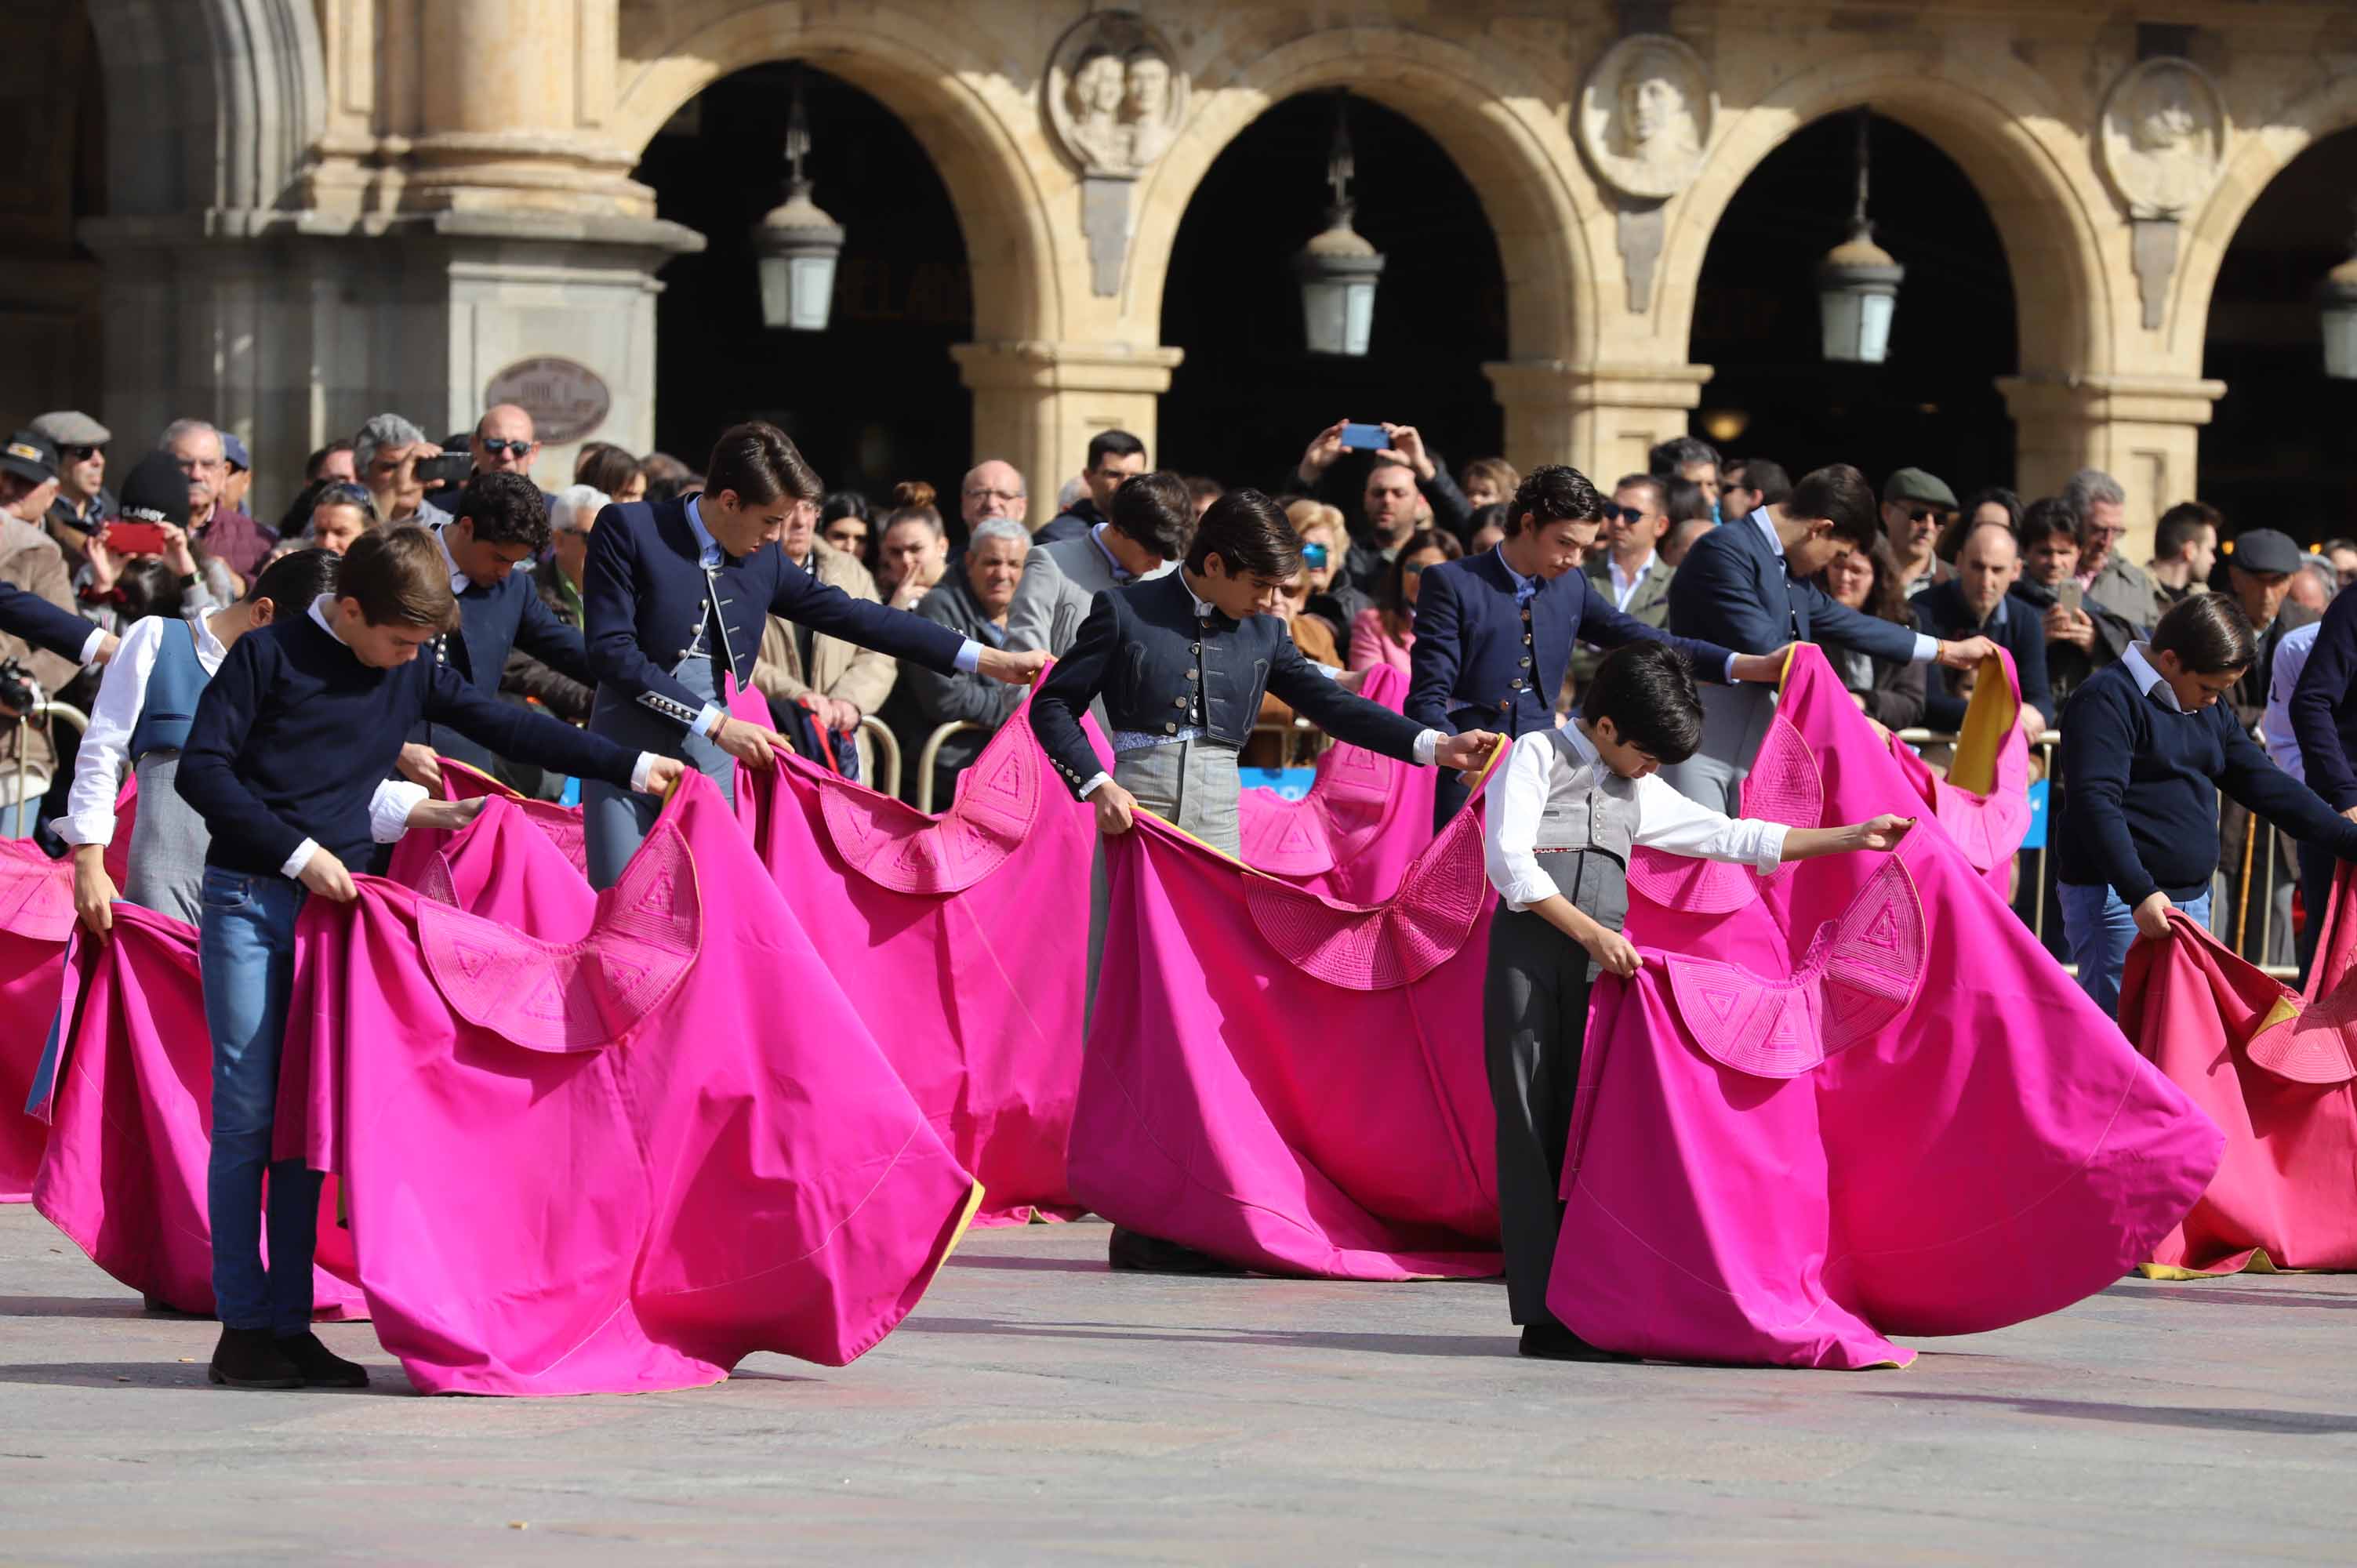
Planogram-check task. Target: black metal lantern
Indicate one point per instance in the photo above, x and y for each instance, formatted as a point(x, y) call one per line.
point(1339, 269)
point(2336, 311)
point(1857, 284)
point(796, 243)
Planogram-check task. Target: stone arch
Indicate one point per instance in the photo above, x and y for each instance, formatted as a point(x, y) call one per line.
point(231, 96)
point(963, 122)
point(2255, 157)
point(2022, 150)
point(1489, 117)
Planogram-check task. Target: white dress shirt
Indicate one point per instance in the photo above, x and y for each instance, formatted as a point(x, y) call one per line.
point(105, 757)
point(1625, 585)
point(2275, 725)
point(2150, 681)
point(1516, 798)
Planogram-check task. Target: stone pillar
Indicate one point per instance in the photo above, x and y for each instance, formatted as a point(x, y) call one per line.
point(1602, 419)
point(1037, 404)
point(2145, 431)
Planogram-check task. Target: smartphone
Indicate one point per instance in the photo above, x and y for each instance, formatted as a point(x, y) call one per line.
point(136, 538)
point(1313, 556)
point(1364, 438)
point(2066, 594)
point(451, 467)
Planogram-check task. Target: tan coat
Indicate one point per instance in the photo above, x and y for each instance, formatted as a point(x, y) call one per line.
point(843, 670)
point(30, 560)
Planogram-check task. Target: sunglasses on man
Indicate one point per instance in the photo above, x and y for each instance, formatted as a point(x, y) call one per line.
point(498, 446)
point(1624, 514)
point(1922, 515)
point(80, 454)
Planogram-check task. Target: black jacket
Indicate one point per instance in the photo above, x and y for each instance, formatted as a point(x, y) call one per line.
point(1161, 669)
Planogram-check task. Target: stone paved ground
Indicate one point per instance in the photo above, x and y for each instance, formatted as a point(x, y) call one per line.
point(1037, 1407)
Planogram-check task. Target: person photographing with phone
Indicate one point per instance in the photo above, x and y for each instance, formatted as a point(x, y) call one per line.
point(397, 462)
point(1389, 484)
point(2080, 637)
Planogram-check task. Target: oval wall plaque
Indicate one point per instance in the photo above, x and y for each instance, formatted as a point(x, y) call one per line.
point(566, 399)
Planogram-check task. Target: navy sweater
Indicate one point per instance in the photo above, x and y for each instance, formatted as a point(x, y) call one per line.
point(2324, 706)
point(2141, 782)
point(294, 734)
point(1942, 611)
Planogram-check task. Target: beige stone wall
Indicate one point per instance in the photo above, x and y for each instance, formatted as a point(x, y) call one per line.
point(399, 139)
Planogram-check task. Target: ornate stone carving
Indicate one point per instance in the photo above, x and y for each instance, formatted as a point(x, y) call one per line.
point(1114, 95)
point(2163, 137)
point(1645, 115)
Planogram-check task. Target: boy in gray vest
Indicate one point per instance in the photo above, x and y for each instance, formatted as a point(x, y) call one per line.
point(1563, 812)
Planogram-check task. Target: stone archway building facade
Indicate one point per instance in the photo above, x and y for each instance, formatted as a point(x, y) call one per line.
point(318, 207)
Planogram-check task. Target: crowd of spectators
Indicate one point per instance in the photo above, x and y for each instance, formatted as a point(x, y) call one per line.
point(2044, 578)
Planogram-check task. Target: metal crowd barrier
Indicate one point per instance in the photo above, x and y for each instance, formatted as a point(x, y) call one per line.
point(887, 752)
point(74, 719)
point(930, 756)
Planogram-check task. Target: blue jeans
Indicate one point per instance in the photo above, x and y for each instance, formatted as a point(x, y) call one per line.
point(2099, 926)
point(17, 819)
point(247, 952)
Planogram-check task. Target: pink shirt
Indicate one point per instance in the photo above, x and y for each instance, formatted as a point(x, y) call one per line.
point(1370, 645)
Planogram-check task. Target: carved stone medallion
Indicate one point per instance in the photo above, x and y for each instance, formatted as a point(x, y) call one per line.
point(1114, 93)
point(2164, 137)
point(1645, 115)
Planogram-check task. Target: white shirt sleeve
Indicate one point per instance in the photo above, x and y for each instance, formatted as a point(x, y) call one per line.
point(293, 869)
point(105, 747)
point(1513, 802)
point(1927, 648)
point(89, 644)
point(389, 809)
point(1427, 747)
point(1669, 822)
point(1094, 779)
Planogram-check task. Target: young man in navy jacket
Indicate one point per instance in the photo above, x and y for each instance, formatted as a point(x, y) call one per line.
point(2146, 746)
point(290, 739)
point(502, 522)
point(677, 594)
point(1749, 584)
point(1494, 632)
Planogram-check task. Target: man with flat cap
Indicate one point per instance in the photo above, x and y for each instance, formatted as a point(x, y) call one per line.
point(2260, 563)
point(1916, 506)
point(83, 502)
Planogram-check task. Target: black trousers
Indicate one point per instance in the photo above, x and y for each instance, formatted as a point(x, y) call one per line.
point(1535, 1018)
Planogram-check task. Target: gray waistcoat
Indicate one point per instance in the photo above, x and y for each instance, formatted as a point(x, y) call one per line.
point(1589, 807)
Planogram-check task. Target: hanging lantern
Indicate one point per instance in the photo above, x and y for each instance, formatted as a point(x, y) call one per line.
point(797, 244)
point(1858, 285)
point(1339, 269)
point(2337, 307)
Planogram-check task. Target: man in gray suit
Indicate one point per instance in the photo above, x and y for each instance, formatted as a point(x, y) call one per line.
point(1147, 529)
point(1629, 571)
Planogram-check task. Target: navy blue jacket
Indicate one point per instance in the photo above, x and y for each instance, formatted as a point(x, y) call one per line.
point(1733, 588)
point(1160, 670)
point(1476, 665)
point(42, 623)
point(642, 594)
point(2141, 811)
point(2324, 706)
point(1942, 611)
point(293, 733)
point(493, 619)
point(1072, 524)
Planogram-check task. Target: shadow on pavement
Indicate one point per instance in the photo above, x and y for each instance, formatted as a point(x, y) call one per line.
point(70, 1306)
point(2290, 1423)
point(189, 1375)
point(1375, 1344)
point(1094, 1264)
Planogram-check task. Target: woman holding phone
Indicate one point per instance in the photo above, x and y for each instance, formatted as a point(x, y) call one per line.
point(1385, 631)
point(1325, 543)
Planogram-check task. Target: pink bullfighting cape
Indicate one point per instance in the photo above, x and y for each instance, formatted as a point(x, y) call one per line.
point(36, 917)
point(1288, 1082)
point(2278, 1070)
point(1365, 819)
point(1861, 1102)
point(615, 1164)
point(130, 1115)
point(951, 931)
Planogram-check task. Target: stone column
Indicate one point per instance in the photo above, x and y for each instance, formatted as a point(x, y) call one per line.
point(2145, 431)
point(1037, 404)
point(1602, 419)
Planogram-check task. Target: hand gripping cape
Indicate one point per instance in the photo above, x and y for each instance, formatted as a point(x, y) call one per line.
point(1862, 1103)
point(1365, 819)
point(129, 1115)
point(2277, 1071)
point(614, 1163)
point(1288, 1082)
point(947, 928)
point(36, 918)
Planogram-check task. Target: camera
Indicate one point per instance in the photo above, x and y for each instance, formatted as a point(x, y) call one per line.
point(19, 693)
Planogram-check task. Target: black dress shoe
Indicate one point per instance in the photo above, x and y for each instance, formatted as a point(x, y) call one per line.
point(251, 1359)
point(1553, 1342)
point(1135, 1249)
point(320, 1367)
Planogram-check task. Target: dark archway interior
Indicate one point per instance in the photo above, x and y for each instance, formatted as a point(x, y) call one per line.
point(2276, 452)
point(1249, 395)
point(873, 400)
point(1933, 404)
